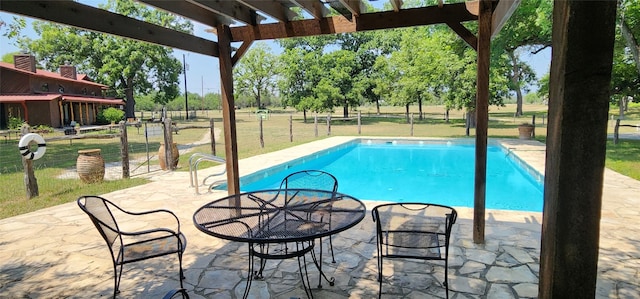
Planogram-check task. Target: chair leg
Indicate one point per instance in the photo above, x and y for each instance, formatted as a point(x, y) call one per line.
point(181, 271)
point(446, 277)
point(333, 258)
point(379, 270)
point(117, 276)
point(379, 277)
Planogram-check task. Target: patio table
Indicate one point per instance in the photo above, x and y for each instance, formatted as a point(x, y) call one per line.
point(295, 217)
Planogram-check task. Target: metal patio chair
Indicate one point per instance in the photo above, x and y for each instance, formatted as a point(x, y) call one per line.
point(312, 179)
point(413, 231)
point(135, 245)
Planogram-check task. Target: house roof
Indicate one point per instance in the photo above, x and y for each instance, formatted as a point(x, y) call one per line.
point(51, 97)
point(29, 97)
point(92, 100)
point(81, 78)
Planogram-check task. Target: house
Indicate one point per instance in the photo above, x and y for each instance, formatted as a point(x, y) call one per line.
point(41, 97)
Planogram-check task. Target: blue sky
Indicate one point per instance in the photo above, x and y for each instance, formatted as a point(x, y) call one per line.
point(203, 72)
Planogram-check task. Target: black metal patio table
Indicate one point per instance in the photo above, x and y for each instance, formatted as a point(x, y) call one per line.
point(295, 217)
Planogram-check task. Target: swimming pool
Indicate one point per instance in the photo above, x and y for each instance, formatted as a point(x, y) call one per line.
point(403, 171)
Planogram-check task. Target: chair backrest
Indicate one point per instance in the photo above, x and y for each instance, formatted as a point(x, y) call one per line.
point(416, 217)
point(99, 212)
point(311, 179)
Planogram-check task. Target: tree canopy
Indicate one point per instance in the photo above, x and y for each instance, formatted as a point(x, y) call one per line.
point(125, 65)
point(255, 72)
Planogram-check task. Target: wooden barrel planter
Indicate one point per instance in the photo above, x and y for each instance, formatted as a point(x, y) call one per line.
point(90, 166)
point(525, 131)
point(163, 160)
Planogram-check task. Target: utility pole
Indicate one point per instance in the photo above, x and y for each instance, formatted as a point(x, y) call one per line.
point(186, 95)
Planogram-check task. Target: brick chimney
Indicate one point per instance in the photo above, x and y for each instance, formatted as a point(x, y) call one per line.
point(68, 71)
point(25, 62)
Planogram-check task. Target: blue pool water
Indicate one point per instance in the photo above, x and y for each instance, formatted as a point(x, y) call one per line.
point(438, 173)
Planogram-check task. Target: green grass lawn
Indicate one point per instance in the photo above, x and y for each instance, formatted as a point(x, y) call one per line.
point(623, 158)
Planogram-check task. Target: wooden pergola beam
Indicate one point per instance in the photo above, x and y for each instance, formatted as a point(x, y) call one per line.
point(228, 110)
point(313, 7)
point(396, 4)
point(482, 119)
point(271, 8)
point(190, 11)
point(229, 9)
point(581, 64)
point(465, 34)
point(449, 13)
point(352, 5)
point(78, 15)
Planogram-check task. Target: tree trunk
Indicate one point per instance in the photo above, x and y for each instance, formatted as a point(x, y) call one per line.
point(407, 112)
point(258, 99)
point(515, 81)
point(130, 106)
point(378, 106)
point(446, 116)
point(621, 107)
point(420, 109)
point(304, 115)
point(471, 115)
point(345, 111)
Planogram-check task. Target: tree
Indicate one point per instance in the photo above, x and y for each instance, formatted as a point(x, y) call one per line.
point(125, 65)
point(300, 71)
point(529, 27)
point(629, 18)
point(255, 72)
point(625, 80)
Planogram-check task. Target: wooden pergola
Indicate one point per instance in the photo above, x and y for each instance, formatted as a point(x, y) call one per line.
point(581, 68)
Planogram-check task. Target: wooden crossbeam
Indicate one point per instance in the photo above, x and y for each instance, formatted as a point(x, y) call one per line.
point(449, 13)
point(78, 15)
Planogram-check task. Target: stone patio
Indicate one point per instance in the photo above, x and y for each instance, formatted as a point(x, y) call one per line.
point(57, 253)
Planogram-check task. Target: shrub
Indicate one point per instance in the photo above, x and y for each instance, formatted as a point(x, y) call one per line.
point(113, 115)
point(43, 129)
point(15, 123)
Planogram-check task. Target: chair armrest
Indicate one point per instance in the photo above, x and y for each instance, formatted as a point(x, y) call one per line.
point(150, 231)
point(149, 212)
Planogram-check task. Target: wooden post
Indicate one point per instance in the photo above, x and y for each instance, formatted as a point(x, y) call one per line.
point(411, 122)
point(30, 181)
point(616, 134)
point(290, 127)
point(328, 124)
point(581, 63)
point(168, 143)
point(482, 119)
point(124, 150)
point(359, 123)
point(533, 122)
point(146, 145)
point(261, 132)
point(213, 137)
point(315, 122)
point(467, 124)
point(228, 109)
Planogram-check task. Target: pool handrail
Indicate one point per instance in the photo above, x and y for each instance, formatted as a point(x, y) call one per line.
point(195, 160)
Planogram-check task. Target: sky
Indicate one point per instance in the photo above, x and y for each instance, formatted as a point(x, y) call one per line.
point(203, 72)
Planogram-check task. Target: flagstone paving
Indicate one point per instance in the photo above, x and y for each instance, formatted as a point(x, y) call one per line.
point(57, 253)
